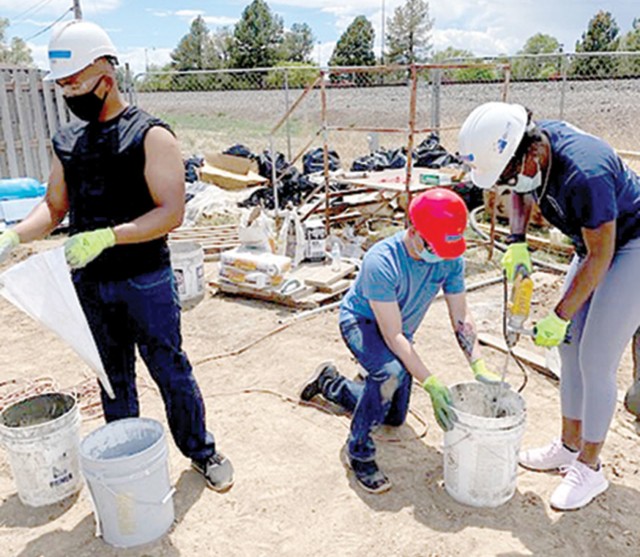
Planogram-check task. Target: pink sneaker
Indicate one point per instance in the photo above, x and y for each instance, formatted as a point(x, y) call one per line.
point(579, 487)
point(547, 458)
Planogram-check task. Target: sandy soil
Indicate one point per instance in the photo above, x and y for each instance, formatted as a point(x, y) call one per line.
point(292, 496)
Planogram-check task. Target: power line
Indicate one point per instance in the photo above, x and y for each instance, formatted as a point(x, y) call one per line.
point(48, 26)
point(30, 11)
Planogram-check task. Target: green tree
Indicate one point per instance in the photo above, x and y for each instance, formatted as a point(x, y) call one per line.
point(298, 43)
point(17, 52)
point(601, 36)
point(299, 74)
point(257, 37)
point(409, 33)
point(194, 49)
point(450, 55)
point(630, 65)
point(354, 48)
point(542, 58)
point(221, 45)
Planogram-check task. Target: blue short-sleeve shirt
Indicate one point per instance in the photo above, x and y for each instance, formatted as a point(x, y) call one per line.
point(588, 185)
point(390, 274)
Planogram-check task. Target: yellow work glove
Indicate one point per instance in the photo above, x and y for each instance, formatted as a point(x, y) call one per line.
point(550, 330)
point(80, 249)
point(9, 239)
point(441, 402)
point(517, 255)
point(483, 375)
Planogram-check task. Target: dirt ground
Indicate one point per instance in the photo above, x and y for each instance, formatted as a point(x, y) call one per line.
point(292, 496)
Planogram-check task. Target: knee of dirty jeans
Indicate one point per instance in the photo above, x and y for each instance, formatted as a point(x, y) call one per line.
point(388, 388)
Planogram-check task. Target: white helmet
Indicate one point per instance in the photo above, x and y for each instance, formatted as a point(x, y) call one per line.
point(74, 45)
point(488, 139)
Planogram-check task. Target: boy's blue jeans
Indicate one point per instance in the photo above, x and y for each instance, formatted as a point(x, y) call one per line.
point(144, 311)
point(383, 397)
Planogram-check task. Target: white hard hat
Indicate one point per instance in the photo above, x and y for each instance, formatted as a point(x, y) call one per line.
point(488, 139)
point(74, 45)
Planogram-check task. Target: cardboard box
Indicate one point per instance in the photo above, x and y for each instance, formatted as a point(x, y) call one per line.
point(230, 172)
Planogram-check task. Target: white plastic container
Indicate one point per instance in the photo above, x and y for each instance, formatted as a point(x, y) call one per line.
point(42, 435)
point(187, 261)
point(481, 451)
point(125, 465)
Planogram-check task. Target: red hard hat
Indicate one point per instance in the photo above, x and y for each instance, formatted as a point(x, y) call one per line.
point(440, 217)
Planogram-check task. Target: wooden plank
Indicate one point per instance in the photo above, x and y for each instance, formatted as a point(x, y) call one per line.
point(49, 107)
point(266, 295)
point(536, 361)
point(335, 288)
point(63, 111)
point(40, 132)
point(7, 128)
point(23, 127)
point(321, 275)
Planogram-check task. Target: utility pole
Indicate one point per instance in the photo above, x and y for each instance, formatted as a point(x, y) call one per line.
point(382, 38)
point(77, 10)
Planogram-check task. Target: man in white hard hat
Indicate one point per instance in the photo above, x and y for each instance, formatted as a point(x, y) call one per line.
point(585, 190)
point(118, 173)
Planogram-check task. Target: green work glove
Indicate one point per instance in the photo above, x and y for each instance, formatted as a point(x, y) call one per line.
point(550, 330)
point(9, 239)
point(441, 402)
point(84, 247)
point(517, 255)
point(483, 375)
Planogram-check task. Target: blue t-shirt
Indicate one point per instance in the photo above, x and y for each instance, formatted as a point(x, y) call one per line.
point(390, 274)
point(588, 185)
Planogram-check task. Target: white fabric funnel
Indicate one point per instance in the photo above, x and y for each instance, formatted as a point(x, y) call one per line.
point(41, 287)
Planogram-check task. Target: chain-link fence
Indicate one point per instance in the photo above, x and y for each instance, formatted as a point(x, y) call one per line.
point(212, 110)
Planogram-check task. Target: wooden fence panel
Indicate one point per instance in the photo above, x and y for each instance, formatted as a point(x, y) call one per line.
point(31, 111)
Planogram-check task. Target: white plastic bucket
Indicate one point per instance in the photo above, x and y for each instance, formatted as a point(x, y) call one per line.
point(187, 261)
point(481, 451)
point(125, 465)
point(41, 435)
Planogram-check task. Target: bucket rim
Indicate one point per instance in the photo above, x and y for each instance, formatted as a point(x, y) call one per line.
point(84, 457)
point(499, 421)
point(74, 409)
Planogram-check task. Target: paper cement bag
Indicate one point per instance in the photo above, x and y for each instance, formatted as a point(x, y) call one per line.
point(41, 287)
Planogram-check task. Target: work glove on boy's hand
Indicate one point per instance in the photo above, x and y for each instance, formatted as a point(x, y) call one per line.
point(517, 255)
point(441, 402)
point(80, 249)
point(9, 239)
point(550, 330)
point(483, 375)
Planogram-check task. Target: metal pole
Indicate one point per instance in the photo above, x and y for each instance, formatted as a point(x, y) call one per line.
point(436, 92)
point(325, 149)
point(564, 61)
point(77, 10)
point(410, 141)
point(286, 102)
point(382, 37)
point(274, 178)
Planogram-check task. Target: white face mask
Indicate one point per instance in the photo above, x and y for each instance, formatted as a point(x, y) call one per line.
point(527, 184)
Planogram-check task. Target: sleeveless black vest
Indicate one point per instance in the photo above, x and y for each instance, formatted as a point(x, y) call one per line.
point(104, 172)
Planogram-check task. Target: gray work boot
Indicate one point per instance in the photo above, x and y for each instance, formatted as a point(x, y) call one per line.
point(217, 471)
point(326, 371)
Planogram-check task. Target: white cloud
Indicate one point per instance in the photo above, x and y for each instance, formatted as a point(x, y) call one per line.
point(322, 52)
point(220, 20)
point(139, 58)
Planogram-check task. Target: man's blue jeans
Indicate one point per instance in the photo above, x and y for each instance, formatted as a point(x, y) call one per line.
point(144, 311)
point(383, 397)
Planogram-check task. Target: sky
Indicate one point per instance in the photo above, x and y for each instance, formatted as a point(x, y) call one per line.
point(146, 31)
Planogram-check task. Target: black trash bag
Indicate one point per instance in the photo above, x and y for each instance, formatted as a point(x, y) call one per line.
point(313, 161)
point(431, 154)
point(190, 165)
point(378, 160)
point(398, 158)
point(471, 194)
point(265, 164)
point(239, 150)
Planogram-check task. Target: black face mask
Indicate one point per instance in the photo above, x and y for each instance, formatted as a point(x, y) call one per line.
point(87, 106)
